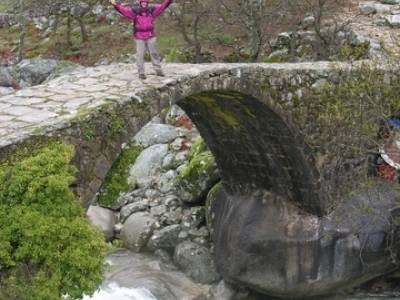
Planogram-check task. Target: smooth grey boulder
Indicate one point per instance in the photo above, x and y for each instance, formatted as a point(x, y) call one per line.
point(147, 165)
point(269, 244)
point(196, 261)
point(35, 71)
point(137, 230)
point(104, 219)
point(5, 77)
point(152, 134)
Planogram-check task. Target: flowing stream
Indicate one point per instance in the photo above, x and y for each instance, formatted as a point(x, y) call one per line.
point(133, 276)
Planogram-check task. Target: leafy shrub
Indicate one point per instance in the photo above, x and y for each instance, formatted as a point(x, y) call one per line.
point(340, 124)
point(351, 52)
point(48, 250)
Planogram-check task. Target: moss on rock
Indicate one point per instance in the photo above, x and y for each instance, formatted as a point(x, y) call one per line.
point(199, 175)
point(210, 201)
point(228, 118)
point(117, 179)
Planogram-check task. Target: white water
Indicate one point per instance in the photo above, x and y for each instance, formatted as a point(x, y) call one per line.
point(114, 292)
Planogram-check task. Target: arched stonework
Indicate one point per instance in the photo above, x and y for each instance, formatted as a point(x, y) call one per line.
point(254, 147)
point(272, 229)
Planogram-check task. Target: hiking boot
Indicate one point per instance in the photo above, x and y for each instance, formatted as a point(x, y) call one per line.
point(160, 73)
point(142, 76)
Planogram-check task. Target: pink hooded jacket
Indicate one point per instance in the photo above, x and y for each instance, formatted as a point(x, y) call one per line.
point(143, 18)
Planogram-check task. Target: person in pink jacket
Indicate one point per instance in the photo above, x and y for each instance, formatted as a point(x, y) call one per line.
point(143, 17)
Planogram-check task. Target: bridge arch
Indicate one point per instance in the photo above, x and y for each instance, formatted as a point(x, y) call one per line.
point(255, 149)
point(99, 109)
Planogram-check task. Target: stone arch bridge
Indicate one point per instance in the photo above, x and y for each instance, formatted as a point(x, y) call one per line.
point(273, 231)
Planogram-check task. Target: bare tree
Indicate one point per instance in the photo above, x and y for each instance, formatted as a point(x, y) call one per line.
point(70, 10)
point(327, 25)
point(257, 21)
point(191, 18)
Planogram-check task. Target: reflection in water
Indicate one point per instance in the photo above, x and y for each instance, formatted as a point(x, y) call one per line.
point(114, 291)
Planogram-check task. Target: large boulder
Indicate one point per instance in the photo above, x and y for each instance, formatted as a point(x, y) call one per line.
point(147, 165)
point(266, 242)
point(35, 71)
point(104, 219)
point(166, 238)
point(196, 261)
point(128, 210)
point(137, 230)
point(6, 80)
point(152, 134)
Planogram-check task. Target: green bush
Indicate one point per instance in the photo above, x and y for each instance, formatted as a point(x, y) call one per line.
point(48, 250)
point(351, 52)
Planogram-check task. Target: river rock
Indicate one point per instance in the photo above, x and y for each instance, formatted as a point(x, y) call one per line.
point(153, 133)
point(166, 238)
point(147, 165)
point(137, 230)
point(257, 234)
point(173, 216)
point(169, 162)
point(35, 71)
point(193, 217)
point(152, 194)
point(196, 261)
point(5, 77)
point(158, 210)
point(196, 179)
point(104, 219)
point(166, 183)
point(132, 208)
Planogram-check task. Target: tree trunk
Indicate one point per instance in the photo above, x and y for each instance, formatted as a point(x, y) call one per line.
point(21, 42)
point(68, 32)
point(22, 25)
point(84, 34)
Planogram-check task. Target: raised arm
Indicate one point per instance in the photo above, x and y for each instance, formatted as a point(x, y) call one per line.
point(126, 11)
point(159, 8)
